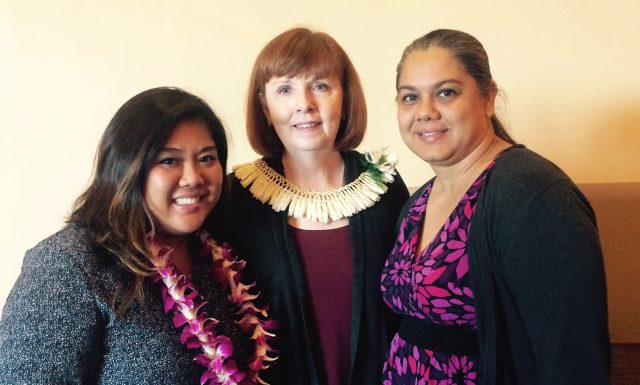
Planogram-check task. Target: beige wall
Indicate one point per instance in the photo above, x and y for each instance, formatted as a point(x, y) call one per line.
point(569, 69)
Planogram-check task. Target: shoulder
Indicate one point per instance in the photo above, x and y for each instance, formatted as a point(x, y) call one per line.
point(522, 168)
point(240, 180)
point(71, 236)
point(72, 242)
point(53, 272)
point(274, 163)
point(247, 212)
point(354, 163)
point(380, 163)
point(52, 291)
point(521, 175)
point(65, 260)
point(243, 175)
point(383, 164)
point(523, 185)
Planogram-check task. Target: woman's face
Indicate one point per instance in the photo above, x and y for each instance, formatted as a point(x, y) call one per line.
point(441, 114)
point(305, 111)
point(185, 180)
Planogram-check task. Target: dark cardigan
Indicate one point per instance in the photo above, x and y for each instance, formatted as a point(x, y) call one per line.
point(262, 238)
point(537, 276)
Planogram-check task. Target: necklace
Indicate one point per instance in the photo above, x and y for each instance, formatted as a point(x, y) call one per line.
point(271, 188)
point(199, 331)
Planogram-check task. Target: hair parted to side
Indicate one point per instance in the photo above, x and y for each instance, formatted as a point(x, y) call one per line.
point(300, 51)
point(470, 54)
point(112, 209)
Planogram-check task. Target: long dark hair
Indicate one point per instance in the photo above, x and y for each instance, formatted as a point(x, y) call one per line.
point(112, 209)
point(470, 54)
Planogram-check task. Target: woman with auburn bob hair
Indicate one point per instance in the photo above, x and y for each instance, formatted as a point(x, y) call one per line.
point(497, 269)
point(135, 289)
point(313, 217)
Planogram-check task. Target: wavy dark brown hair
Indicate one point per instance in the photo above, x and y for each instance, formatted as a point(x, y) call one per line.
point(112, 209)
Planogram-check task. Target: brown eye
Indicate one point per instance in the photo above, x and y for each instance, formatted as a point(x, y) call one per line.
point(447, 92)
point(408, 98)
point(209, 158)
point(168, 161)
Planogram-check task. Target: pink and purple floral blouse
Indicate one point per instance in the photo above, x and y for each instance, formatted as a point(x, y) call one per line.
point(432, 285)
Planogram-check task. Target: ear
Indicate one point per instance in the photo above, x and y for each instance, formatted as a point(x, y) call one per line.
point(265, 108)
point(490, 100)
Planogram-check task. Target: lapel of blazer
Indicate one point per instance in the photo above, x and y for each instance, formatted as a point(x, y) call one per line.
point(285, 243)
point(289, 260)
point(352, 171)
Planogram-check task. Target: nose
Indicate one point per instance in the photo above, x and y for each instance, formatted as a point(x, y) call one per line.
point(191, 175)
point(427, 110)
point(304, 101)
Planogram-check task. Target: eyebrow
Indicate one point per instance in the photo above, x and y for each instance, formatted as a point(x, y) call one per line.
point(173, 149)
point(434, 86)
point(313, 77)
point(281, 79)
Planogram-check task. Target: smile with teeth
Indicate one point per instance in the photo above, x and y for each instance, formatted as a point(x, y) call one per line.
point(306, 124)
point(432, 133)
point(186, 201)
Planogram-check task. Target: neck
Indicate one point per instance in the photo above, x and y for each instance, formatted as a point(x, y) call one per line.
point(457, 177)
point(314, 171)
point(181, 256)
point(171, 240)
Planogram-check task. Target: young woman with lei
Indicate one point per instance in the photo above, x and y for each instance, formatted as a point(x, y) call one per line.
point(321, 215)
point(135, 289)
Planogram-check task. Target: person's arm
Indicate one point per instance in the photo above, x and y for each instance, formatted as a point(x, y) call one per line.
point(553, 268)
point(51, 330)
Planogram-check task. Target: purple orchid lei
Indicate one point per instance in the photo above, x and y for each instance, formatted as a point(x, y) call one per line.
point(199, 331)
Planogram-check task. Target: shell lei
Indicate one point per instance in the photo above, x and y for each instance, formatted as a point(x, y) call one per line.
point(199, 331)
point(271, 188)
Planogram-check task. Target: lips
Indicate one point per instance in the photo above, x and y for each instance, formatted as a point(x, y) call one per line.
point(184, 201)
point(309, 124)
point(432, 133)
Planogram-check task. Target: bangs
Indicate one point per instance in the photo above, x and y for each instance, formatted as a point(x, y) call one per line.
point(316, 55)
point(302, 52)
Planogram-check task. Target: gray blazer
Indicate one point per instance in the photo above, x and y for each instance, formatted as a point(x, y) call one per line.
point(58, 327)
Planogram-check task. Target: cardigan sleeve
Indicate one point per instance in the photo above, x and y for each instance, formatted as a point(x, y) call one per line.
point(50, 331)
point(551, 263)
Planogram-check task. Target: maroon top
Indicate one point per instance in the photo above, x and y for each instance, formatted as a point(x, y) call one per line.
point(326, 259)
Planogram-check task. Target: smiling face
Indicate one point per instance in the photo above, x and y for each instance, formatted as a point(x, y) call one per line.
point(304, 110)
point(184, 181)
point(441, 114)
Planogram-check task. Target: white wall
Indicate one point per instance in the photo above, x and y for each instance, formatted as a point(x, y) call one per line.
point(569, 69)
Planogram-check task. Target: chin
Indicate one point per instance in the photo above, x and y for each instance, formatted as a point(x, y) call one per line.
point(181, 230)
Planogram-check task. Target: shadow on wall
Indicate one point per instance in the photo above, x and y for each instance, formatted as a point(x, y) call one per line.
point(617, 207)
point(608, 150)
point(594, 142)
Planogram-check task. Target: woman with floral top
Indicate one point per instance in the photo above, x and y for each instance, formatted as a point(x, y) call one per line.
point(135, 289)
point(497, 268)
point(313, 217)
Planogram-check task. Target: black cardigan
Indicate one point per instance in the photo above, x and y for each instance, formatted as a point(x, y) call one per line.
point(537, 276)
point(262, 238)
